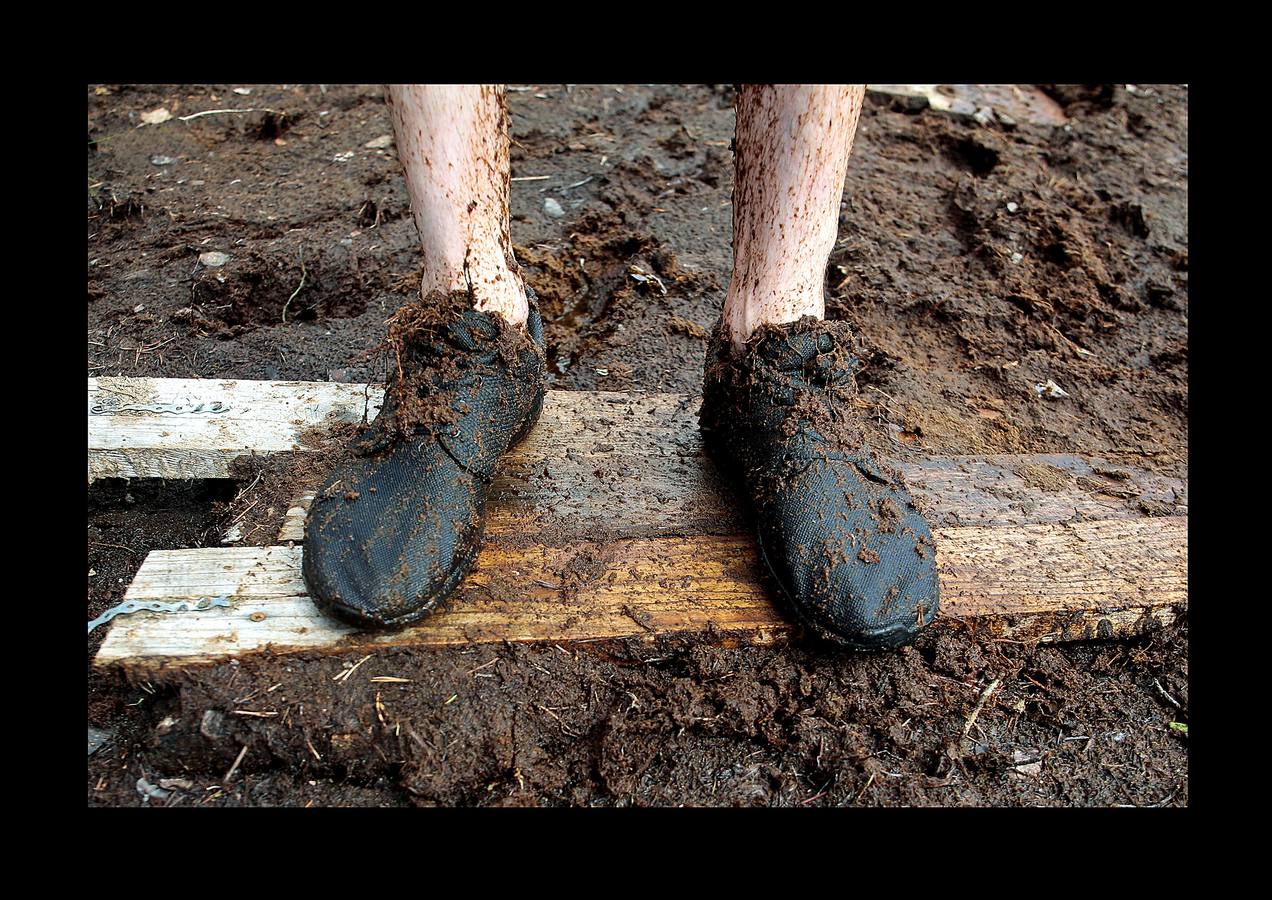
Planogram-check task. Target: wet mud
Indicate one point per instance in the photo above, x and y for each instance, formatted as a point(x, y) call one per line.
point(1014, 288)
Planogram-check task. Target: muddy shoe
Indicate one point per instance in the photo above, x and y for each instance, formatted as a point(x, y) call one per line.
point(397, 527)
point(849, 551)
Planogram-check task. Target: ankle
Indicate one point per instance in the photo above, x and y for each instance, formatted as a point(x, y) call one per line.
point(494, 288)
point(510, 302)
point(743, 315)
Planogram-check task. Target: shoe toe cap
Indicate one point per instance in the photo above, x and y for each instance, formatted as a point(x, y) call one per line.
point(859, 578)
point(386, 558)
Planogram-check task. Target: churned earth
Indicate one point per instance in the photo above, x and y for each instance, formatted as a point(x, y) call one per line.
point(974, 261)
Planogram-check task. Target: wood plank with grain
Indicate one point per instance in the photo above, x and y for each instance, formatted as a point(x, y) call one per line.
point(218, 421)
point(1041, 582)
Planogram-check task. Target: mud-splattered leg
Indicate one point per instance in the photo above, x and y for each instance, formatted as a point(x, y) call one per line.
point(792, 148)
point(453, 143)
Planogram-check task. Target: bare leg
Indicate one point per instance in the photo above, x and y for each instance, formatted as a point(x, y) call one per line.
point(453, 143)
point(791, 156)
point(840, 535)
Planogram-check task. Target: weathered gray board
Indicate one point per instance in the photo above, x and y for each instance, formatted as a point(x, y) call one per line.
point(626, 465)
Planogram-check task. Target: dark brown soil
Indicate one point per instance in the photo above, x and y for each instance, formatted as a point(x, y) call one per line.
point(963, 305)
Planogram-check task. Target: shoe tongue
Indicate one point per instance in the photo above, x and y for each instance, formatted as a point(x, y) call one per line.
point(790, 350)
point(471, 330)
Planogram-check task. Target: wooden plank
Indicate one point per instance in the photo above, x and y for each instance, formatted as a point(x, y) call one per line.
point(1033, 582)
point(612, 464)
point(293, 528)
point(128, 438)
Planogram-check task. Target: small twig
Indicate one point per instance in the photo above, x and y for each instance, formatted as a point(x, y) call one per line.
point(301, 251)
point(1038, 683)
point(864, 789)
point(240, 494)
point(980, 704)
point(560, 721)
point(484, 665)
point(217, 112)
point(344, 676)
point(1162, 691)
point(234, 768)
point(121, 547)
point(239, 517)
point(155, 346)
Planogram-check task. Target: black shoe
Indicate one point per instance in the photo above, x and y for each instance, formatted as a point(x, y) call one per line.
point(849, 551)
point(397, 527)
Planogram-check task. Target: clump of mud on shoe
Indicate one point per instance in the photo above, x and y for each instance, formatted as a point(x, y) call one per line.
point(419, 365)
point(844, 542)
point(395, 528)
